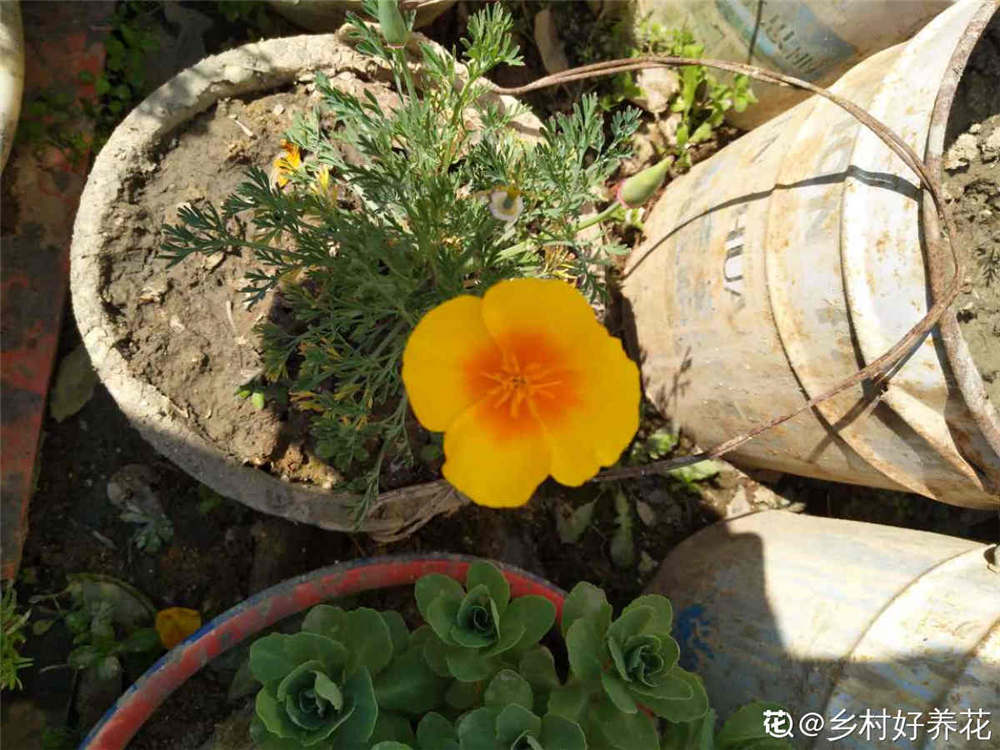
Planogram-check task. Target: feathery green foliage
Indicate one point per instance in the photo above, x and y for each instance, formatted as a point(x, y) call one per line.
point(408, 228)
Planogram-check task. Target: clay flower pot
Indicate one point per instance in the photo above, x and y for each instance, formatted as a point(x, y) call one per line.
point(172, 349)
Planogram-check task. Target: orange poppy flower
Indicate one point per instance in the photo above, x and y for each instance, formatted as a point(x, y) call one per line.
point(525, 383)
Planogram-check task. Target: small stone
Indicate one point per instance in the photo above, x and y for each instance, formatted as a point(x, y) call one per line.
point(176, 324)
point(975, 128)
point(739, 505)
point(279, 109)
point(991, 146)
point(659, 87)
point(961, 153)
point(211, 262)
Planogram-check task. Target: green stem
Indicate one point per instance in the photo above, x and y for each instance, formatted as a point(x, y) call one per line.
point(607, 213)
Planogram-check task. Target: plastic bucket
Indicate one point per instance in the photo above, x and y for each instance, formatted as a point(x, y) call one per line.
point(290, 597)
point(826, 616)
point(793, 257)
point(11, 74)
point(816, 40)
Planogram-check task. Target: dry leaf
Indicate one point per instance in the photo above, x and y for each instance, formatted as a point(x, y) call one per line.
point(74, 385)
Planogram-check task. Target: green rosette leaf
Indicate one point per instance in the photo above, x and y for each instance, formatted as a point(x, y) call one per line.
point(409, 685)
point(274, 656)
point(477, 622)
point(482, 573)
point(477, 730)
point(435, 732)
point(679, 696)
point(508, 688)
point(589, 602)
point(309, 697)
point(561, 734)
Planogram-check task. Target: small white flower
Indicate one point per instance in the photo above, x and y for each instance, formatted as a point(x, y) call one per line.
point(506, 204)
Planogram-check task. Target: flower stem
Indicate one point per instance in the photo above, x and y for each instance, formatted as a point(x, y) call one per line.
point(613, 208)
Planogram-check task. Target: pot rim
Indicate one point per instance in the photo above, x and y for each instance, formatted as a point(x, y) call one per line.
point(940, 269)
point(249, 617)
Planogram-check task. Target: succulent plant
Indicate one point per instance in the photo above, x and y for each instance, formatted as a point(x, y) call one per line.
point(478, 627)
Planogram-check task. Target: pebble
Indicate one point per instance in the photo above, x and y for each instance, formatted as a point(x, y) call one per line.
point(961, 153)
point(279, 109)
point(991, 146)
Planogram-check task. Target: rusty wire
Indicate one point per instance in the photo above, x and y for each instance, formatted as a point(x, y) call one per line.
point(879, 370)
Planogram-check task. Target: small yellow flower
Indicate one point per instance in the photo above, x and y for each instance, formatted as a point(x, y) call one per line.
point(525, 383)
point(322, 186)
point(174, 624)
point(285, 164)
point(506, 204)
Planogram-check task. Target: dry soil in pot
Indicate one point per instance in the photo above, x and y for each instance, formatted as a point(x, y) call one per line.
point(186, 329)
point(971, 181)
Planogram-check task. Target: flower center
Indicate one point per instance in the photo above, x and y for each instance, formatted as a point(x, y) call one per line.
point(517, 385)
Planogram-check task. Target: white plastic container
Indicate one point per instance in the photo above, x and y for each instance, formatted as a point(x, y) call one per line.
point(11, 74)
point(792, 258)
point(827, 616)
point(816, 40)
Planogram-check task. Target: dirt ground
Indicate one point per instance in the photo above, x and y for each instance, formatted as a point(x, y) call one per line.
point(222, 552)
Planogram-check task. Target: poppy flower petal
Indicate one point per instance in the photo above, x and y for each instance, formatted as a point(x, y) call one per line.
point(598, 411)
point(602, 421)
point(494, 467)
point(546, 307)
point(435, 359)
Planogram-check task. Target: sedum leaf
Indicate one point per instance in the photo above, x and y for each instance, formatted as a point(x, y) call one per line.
point(430, 587)
point(690, 735)
point(434, 732)
point(570, 702)
point(409, 685)
point(515, 720)
point(463, 695)
point(618, 692)
point(274, 656)
point(586, 651)
point(367, 640)
point(536, 613)
point(468, 665)
point(562, 734)
point(482, 573)
point(679, 697)
point(662, 612)
point(585, 600)
point(398, 632)
point(392, 728)
point(629, 623)
point(477, 729)
point(506, 688)
point(538, 667)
